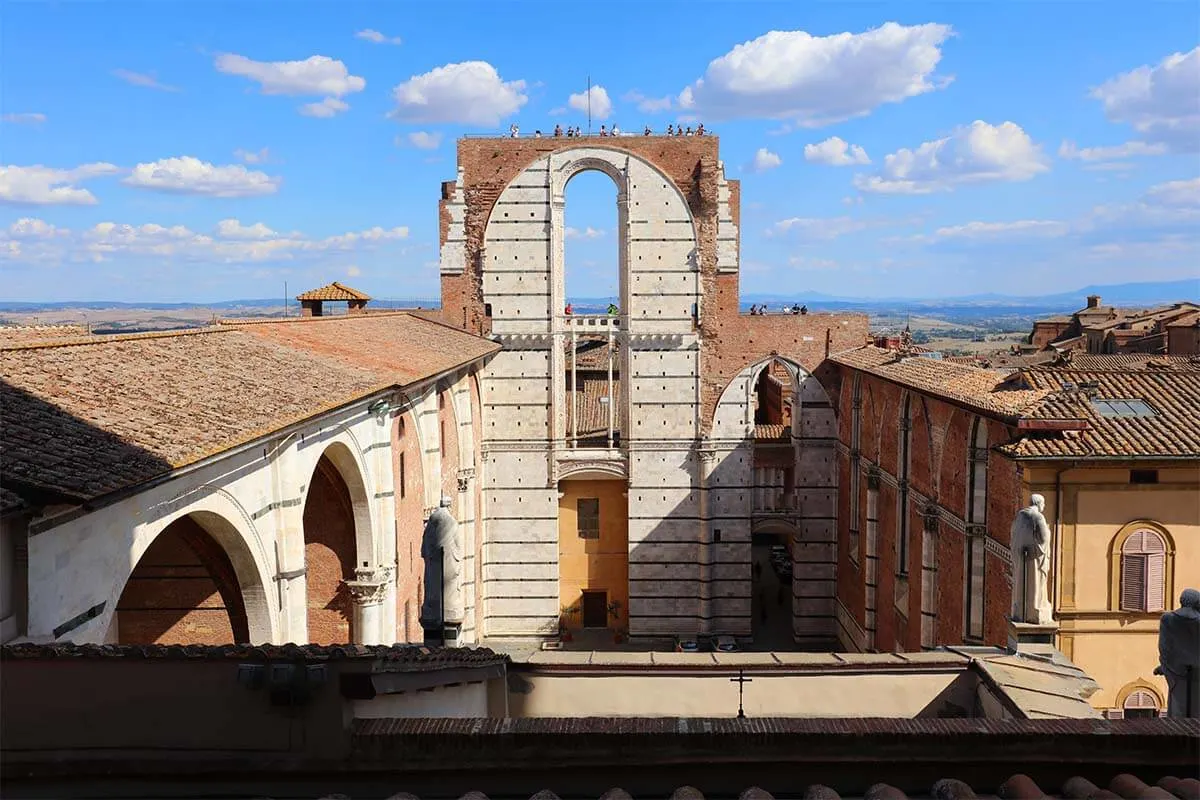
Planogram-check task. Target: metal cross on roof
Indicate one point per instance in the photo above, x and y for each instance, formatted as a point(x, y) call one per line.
point(741, 680)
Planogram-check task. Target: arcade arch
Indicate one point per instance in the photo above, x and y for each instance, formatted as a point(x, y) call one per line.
point(337, 541)
point(195, 583)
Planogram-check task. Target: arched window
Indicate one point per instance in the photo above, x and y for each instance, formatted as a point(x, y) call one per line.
point(902, 491)
point(1143, 571)
point(1140, 704)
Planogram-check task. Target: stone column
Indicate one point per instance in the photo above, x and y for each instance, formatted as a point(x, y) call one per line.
point(368, 592)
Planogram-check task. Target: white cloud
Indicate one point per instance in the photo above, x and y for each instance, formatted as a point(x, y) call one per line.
point(39, 185)
point(975, 153)
point(329, 107)
point(1175, 194)
point(648, 105)
point(147, 81)
point(992, 231)
point(804, 262)
point(819, 228)
point(233, 229)
point(353, 271)
point(31, 228)
point(763, 160)
point(835, 152)
point(253, 156)
point(315, 75)
point(376, 37)
point(818, 80)
point(470, 93)
point(1110, 153)
point(190, 175)
point(1160, 102)
point(586, 233)
point(425, 140)
point(601, 105)
point(35, 241)
point(24, 119)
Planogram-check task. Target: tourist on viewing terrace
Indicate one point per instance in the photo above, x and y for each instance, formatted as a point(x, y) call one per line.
point(689, 131)
point(647, 131)
point(537, 134)
point(700, 129)
point(569, 310)
point(670, 129)
point(603, 132)
point(612, 309)
point(514, 131)
point(615, 130)
point(558, 130)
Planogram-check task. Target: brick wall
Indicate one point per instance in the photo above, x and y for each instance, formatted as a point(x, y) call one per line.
point(939, 450)
point(410, 521)
point(329, 555)
point(183, 591)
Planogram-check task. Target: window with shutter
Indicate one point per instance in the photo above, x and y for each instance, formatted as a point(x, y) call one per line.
point(1140, 704)
point(1143, 572)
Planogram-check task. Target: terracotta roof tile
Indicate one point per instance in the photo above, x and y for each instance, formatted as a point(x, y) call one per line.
point(1172, 432)
point(593, 414)
point(88, 418)
point(24, 334)
point(391, 658)
point(973, 387)
point(333, 291)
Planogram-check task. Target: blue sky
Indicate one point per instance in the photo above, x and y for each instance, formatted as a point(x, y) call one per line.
point(177, 151)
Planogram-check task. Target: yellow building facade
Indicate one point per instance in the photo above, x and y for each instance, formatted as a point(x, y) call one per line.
point(593, 555)
point(1127, 542)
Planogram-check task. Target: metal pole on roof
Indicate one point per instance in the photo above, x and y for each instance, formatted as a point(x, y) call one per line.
point(589, 101)
point(285, 302)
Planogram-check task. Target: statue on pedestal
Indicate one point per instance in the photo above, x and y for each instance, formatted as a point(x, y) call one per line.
point(1030, 547)
point(442, 553)
point(1179, 655)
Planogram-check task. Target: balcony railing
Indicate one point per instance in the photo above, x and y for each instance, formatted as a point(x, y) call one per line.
point(592, 322)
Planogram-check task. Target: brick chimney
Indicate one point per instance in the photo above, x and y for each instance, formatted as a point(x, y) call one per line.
point(1093, 301)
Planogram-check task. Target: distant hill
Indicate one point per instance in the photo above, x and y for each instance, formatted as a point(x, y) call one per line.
point(995, 304)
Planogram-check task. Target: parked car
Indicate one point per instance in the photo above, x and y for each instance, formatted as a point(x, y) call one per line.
point(726, 644)
point(687, 646)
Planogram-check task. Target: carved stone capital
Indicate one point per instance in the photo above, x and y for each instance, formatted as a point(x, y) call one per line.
point(369, 586)
point(707, 456)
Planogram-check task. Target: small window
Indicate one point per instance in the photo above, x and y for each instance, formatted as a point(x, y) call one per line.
point(1140, 705)
point(1143, 476)
point(717, 535)
point(1123, 408)
point(588, 512)
point(487, 309)
point(402, 476)
point(1143, 572)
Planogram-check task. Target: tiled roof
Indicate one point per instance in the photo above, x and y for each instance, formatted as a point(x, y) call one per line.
point(23, 334)
point(1016, 787)
point(1173, 432)
point(390, 658)
point(1126, 361)
point(593, 415)
point(86, 418)
point(771, 431)
point(9, 500)
point(333, 291)
point(591, 355)
point(975, 388)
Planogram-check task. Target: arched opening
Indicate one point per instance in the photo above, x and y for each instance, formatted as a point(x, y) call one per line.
point(185, 588)
point(774, 450)
point(772, 551)
point(591, 258)
point(593, 289)
point(593, 558)
point(336, 518)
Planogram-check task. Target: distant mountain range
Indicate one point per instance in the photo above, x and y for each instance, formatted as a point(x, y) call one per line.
point(1121, 294)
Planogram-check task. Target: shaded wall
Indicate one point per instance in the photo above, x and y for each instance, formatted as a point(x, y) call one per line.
point(329, 555)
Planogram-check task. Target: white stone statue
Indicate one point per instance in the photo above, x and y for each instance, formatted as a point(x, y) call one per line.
point(1179, 649)
point(442, 552)
point(1030, 547)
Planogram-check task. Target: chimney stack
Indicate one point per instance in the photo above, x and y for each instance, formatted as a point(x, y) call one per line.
point(1093, 301)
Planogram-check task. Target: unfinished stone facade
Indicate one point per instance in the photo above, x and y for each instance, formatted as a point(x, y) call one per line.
point(684, 369)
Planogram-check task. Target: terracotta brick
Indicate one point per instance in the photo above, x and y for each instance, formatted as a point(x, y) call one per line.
point(329, 556)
